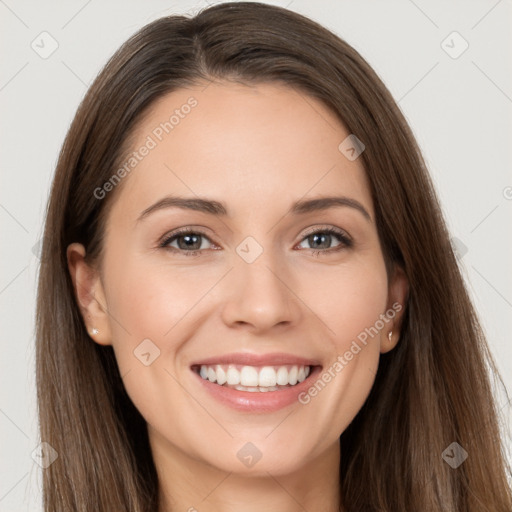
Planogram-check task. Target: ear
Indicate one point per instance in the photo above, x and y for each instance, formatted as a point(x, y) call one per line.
point(397, 296)
point(89, 295)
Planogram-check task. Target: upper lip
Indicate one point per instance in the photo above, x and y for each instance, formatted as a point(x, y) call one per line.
point(271, 359)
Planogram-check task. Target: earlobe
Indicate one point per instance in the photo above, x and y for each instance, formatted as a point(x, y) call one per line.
point(89, 294)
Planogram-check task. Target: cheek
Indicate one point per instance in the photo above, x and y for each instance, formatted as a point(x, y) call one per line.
point(351, 306)
point(154, 302)
point(360, 304)
point(348, 299)
point(150, 310)
point(150, 300)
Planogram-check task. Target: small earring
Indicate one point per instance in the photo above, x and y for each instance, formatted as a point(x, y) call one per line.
point(95, 331)
point(390, 335)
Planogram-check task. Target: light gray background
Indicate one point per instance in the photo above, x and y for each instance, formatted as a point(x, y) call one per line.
point(459, 109)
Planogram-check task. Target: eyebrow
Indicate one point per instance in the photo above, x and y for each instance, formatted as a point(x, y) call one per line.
point(212, 207)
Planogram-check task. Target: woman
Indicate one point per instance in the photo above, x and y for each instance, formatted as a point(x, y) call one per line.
point(248, 299)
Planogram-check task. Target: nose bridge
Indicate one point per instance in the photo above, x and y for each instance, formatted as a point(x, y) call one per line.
point(259, 294)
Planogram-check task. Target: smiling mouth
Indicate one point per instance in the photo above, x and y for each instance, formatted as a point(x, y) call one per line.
point(254, 378)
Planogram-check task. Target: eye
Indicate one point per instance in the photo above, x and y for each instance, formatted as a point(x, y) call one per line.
point(321, 240)
point(190, 242)
point(185, 241)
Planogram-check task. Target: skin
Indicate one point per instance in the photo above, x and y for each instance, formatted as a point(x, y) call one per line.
point(257, 149)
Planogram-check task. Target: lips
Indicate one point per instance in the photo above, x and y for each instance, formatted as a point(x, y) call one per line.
point(256, 383)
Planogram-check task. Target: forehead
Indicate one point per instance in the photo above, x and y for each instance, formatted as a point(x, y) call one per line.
point(252, 147)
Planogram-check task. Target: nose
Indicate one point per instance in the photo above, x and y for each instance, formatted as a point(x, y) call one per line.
point(260, 295)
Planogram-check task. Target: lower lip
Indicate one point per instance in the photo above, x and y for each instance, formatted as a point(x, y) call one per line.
point(257, 401)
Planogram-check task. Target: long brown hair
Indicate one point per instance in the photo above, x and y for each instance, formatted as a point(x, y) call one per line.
point(433, 389)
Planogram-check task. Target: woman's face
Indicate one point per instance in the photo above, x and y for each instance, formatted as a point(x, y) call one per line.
point(241, 298)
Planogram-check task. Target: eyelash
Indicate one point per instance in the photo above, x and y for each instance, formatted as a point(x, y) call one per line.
point(344, 239)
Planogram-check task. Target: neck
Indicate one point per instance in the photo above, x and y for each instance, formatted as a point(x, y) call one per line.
point(190, 485)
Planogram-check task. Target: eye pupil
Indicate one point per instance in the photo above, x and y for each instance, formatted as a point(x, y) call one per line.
point(190, 240)
point(313, 239)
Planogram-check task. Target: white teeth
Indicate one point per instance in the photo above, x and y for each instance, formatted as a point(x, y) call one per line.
point(212, 375)
point(253, 389)
point(233, 376)
point(245, 388)
point(267, 376)
point(292, 375)
point(282, 376)
point(221, 375)
point(251, 378)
